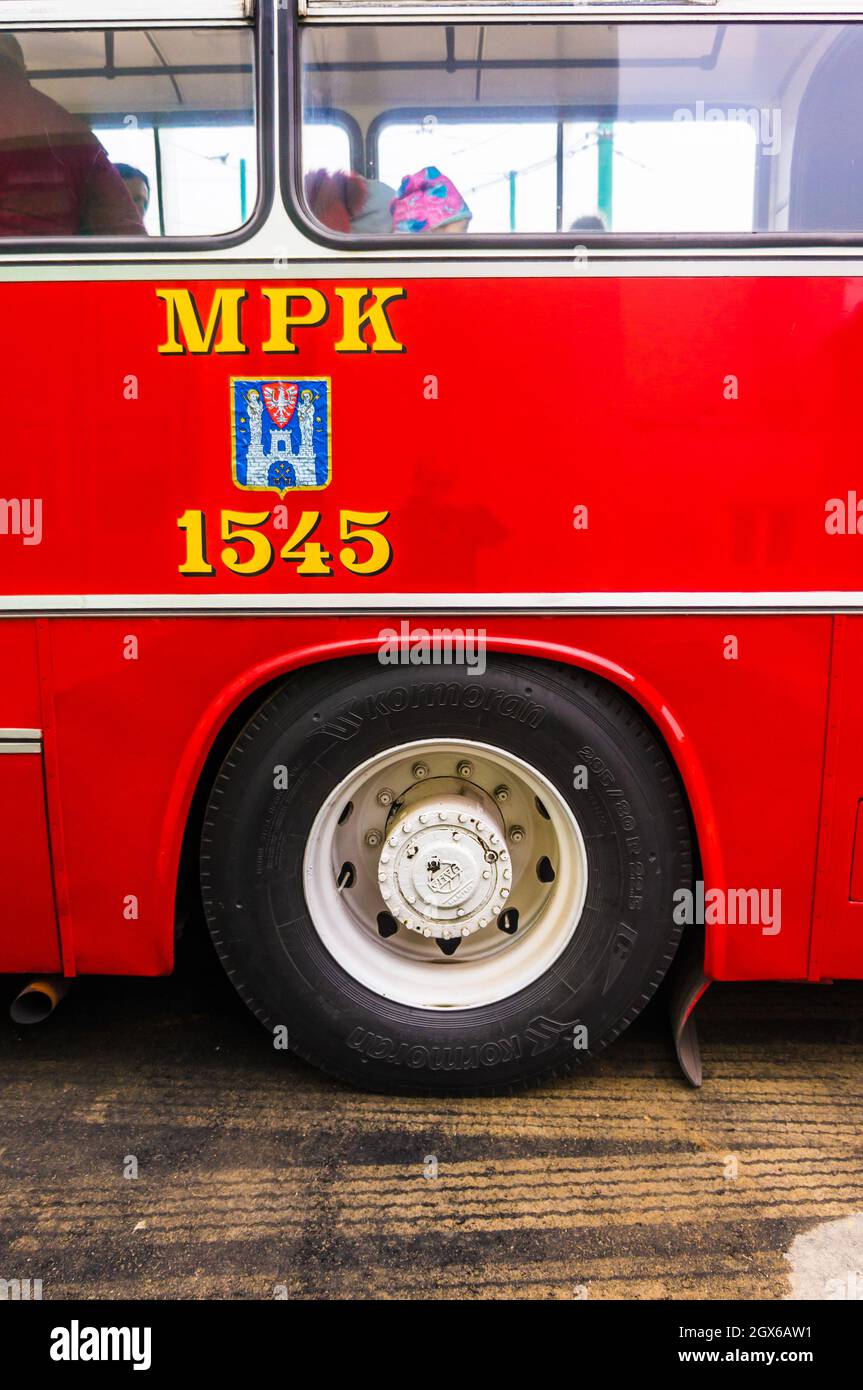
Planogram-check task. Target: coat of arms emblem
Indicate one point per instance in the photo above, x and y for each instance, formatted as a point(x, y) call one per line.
point(280, 433)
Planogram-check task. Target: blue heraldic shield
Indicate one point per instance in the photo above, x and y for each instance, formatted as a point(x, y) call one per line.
point(281, 433)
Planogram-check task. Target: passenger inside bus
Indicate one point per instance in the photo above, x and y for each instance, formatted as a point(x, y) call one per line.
point(55, 177)
point(425, 202)
point(375, 215)
point(138, 186)
point(336, 199)
point(429, 202)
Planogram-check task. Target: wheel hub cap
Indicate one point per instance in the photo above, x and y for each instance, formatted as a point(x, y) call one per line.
point(444, 870)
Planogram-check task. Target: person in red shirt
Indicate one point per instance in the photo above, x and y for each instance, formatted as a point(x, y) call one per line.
point(55, 177)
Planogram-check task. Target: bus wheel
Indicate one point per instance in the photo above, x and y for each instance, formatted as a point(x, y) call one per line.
point(443, 881)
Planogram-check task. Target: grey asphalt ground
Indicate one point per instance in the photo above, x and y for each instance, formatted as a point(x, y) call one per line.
point(258, 1178)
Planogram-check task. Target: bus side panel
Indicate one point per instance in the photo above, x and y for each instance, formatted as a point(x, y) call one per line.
point(635, 435)
point(134, 695)
point(28, 925)
point(20, 703)
point(837, 937)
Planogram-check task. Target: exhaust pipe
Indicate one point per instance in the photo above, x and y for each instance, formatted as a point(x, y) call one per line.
point(38, 1000)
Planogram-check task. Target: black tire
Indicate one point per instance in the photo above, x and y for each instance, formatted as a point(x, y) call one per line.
point(320, 725)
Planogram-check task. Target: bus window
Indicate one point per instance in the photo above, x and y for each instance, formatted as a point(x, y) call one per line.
point(681, 129)
point(126, 132)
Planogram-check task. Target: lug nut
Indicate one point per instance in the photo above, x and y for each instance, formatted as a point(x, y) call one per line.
point(420, 770)
point(465, 770)
point(516, 834)
point(501, 793)
point(385, 797)
point(373, 839)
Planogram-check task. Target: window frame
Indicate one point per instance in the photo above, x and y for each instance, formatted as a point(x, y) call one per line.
point(92, 247)
point(754, 244)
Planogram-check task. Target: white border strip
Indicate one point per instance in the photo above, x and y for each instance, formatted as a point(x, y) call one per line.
point(20, 741)
point(756, 601)
point(519, 11)
point(761, 262)
point(51, 13)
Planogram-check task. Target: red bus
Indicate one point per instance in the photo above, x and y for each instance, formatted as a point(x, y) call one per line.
point(429, 521)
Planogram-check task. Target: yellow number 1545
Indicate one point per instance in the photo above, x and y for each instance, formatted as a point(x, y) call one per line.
point(247, 549)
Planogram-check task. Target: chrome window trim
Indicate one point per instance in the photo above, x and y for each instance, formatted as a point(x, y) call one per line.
point(20, 741)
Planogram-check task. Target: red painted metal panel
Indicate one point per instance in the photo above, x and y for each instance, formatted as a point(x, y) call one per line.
point(837, 939)
point(28, 927)
point(551, 392)
point(20, 706)
point(855, 890)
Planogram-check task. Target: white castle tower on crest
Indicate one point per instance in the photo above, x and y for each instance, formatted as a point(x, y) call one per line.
point(259, 460)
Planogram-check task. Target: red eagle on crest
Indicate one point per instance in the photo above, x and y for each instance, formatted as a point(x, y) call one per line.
point(280, 398)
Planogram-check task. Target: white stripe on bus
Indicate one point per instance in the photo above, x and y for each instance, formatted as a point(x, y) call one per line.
point(773, 601)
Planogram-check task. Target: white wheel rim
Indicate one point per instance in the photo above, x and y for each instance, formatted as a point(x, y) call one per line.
point(488, 964)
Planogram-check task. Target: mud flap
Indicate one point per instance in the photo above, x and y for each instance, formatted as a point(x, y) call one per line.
point(687, 983)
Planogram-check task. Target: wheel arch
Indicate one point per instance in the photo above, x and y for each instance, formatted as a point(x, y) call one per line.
point(232, 705)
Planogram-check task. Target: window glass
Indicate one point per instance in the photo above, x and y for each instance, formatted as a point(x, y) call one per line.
point(326, 145)
point(682, 128)
point(671, 176)
point(127, 132)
